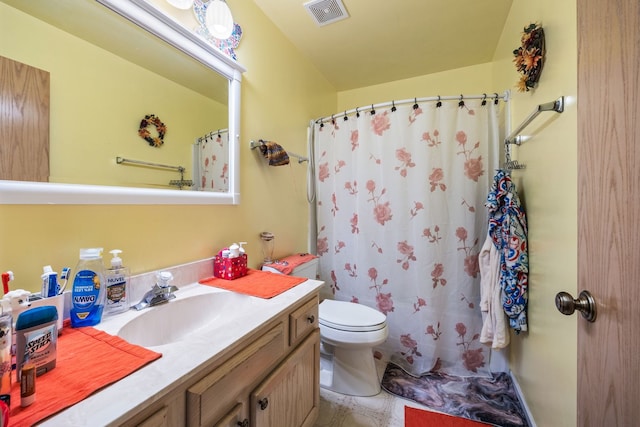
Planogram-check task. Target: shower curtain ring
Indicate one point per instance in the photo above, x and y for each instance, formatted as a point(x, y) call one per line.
point(495, 101)
point(484, 99)
point(439, 103)
point(461, 102)
point(415, 103)
point(357, 112)
point(345, 116)
point(393, 106)
point(373, 111)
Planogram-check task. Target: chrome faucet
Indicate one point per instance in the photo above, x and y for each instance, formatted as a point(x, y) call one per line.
point(161, 292)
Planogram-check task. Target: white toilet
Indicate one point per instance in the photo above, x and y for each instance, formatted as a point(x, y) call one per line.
point(348, 333)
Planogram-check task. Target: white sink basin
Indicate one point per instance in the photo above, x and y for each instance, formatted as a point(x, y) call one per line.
point(177, 319)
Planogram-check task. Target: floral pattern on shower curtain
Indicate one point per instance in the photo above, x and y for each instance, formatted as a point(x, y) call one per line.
point(214, 162)
point(401, 221)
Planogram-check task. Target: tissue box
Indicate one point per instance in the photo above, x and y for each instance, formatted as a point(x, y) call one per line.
point(229, 268)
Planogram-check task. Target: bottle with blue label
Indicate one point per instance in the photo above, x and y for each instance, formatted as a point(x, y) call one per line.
point(89, 291)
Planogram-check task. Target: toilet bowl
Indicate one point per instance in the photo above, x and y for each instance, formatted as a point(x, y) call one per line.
point(348, 333)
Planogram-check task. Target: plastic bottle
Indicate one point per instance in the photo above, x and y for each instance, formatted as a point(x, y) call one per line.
point(89, 291)
point(6, 327)
point(49, 282)
point(117, 280)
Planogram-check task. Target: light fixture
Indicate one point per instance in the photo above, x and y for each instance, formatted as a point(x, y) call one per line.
point(218, 19)
point(181, 4)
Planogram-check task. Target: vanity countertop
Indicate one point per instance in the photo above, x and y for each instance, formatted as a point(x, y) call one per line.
point(180, 360)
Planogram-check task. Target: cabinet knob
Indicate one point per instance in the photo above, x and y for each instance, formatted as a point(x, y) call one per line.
point(311, 318)
point(243, 423)
point(264, 402)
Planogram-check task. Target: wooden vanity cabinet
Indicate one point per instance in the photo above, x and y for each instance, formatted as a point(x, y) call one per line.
point(290, 395)
point(272, 380)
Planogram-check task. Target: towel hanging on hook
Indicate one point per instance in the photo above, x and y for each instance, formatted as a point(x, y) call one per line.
point(274, 152)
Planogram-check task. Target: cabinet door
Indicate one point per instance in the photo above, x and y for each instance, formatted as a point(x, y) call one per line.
point(234, 418)
point(211, 397)
point(290, 396)
point(157, 419)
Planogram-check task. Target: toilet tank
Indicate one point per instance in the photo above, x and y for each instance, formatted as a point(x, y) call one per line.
point(308, 269)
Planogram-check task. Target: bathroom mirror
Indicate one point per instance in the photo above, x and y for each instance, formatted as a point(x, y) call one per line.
point(160, 39)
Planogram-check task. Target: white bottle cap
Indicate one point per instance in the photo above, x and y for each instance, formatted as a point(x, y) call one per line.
point(90, 253)
point(116, 261)
point(234, 251)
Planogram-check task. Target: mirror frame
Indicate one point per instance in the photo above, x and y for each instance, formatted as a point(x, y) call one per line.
point(151, 19)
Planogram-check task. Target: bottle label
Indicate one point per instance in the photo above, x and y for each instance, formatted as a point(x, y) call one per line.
point(116, 288)
point(86, 290)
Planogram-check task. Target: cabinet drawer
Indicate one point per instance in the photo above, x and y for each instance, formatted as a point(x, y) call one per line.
point(211, 397)
point(303, 320)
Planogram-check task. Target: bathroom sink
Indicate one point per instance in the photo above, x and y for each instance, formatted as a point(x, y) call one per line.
point(177, 319)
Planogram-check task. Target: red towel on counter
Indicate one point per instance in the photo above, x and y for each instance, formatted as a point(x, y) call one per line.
point(256, 283)
point(286, 265)
point(87, 360)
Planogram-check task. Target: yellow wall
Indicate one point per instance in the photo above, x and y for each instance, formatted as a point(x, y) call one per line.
point(469, 80)
point(281, 91)
point(544, 359)
point(97, 102)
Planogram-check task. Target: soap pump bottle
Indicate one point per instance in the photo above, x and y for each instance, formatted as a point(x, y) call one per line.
point(88, 292)
point(117, 280)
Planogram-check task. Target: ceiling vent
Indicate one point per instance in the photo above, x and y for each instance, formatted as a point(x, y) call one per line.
point(326, 11)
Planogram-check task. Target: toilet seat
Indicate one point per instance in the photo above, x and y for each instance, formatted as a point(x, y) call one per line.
point(350, 317)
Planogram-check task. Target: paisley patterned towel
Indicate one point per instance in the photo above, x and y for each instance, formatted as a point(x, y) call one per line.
point(508, 230)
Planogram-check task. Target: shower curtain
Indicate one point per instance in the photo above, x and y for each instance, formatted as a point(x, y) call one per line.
point(212, 161)
point(400, 196)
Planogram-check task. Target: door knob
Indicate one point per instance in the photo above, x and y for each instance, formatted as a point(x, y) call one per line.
point(585, 304)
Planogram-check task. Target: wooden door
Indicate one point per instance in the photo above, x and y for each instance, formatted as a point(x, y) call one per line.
point(609, 210)
point(24, 122)
point(290, 396)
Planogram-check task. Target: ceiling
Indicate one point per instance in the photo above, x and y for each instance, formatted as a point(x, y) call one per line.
point(383, 41)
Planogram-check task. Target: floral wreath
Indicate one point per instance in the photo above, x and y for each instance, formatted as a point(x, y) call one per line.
point(529, 58)
point(151, 119)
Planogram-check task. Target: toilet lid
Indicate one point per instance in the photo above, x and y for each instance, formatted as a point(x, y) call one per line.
point(348, 316)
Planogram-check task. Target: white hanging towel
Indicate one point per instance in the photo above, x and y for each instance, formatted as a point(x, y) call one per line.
point(495, 331)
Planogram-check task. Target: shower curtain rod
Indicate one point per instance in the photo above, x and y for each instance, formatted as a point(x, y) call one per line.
point(494, 96)
point(211, 134)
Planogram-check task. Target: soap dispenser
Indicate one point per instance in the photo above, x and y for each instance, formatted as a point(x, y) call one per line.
point(117, 279)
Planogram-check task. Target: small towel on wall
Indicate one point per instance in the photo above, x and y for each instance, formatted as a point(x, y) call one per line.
point(274, 152)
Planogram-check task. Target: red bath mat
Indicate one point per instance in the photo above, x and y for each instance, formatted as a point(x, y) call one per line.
point(414, 417)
